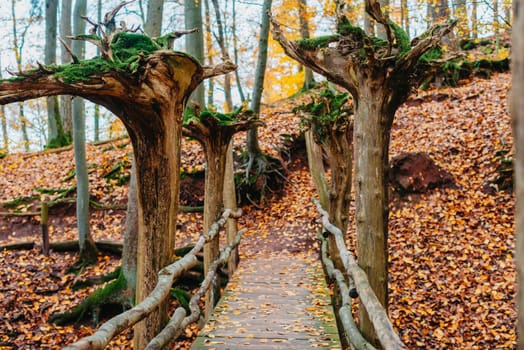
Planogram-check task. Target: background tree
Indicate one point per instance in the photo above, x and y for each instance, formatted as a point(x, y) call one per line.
point(304, 33)
point(258, 162)
point(155, 13)
point(215, 131)
point(53, 115)
point(88, 250)
point(195, 41)
point(374, 72)
point(65, 30)
point(517, 111)
point(225, 54)
point(18, 49)
point(96, 114)
point(3, 121)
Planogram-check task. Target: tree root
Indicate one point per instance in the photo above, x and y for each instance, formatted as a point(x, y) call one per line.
point(114, 293)
point(94, 280)
point(264, 174)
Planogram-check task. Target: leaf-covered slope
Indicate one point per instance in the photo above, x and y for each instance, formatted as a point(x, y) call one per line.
point(451, 250)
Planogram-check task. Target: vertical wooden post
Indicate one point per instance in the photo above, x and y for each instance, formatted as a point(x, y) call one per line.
point(44, 216)
point(230, 202)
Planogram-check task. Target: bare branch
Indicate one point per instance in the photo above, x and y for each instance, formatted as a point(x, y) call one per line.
point(70, 51)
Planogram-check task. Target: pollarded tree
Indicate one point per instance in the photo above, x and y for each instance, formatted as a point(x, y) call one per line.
point(379, 74)
point(214, 131)
point(330, 124)
point(147, 87)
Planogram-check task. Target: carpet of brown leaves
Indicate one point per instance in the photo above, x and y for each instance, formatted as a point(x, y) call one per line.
point(451, 250)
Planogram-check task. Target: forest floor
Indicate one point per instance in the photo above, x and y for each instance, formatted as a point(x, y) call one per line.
point(452, 275)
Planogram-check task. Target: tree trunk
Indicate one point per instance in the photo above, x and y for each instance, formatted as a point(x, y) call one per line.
point(230, 202)
point(53, 118)
point(316, 168)
point(235, 52)
point(3, 121)
point(474, 21)
point(338, 148)
point(96, 116)
point(65, 33)
point(155, 13)
point(88, 250)
point(517, 111)
point(304, 33)
point(223, 51)
point(253, 147)
point(18, 44)
point(371, 144)
point(404, 15)
point(129, 253)
point(209, 50)
point(195, 41)
point(213, 206)
point(460, 12)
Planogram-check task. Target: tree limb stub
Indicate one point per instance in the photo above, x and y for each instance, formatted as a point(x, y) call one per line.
point(166, 277)
point(320, 60)
point(377, 314)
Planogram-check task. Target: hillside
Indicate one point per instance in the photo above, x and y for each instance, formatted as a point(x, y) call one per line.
point(451, 250)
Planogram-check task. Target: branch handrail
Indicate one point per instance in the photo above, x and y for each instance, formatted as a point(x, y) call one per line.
point(351, 331)
point(176, 325)
point(166, 277)
point(377, 313)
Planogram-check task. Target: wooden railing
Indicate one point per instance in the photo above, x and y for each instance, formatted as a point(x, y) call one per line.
point(166, 278)
point(386, 334)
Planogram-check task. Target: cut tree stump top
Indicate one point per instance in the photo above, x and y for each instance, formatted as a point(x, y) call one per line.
point(273, 302)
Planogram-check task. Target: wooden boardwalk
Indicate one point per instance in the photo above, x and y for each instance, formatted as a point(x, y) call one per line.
point(274, 302)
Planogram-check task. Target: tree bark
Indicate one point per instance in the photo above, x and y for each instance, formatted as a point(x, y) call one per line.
point(517, 111)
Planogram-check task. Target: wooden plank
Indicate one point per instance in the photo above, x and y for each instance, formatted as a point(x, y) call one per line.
point(273, 302)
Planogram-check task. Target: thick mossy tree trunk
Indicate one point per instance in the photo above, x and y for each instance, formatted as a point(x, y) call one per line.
point(372, 130)
point(149, 96)
point(379, 74)
point(214, 131)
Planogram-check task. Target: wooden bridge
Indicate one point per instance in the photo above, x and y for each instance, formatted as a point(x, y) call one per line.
point(274, 302)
